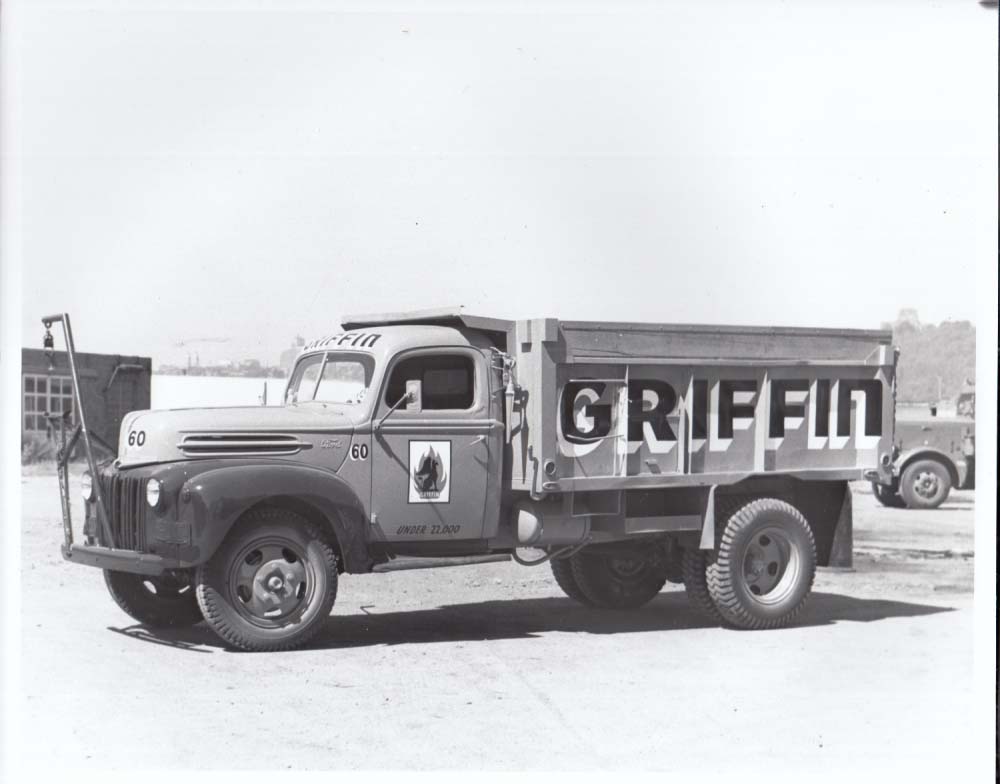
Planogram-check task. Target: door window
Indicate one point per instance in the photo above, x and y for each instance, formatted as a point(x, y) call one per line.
point(448, 381)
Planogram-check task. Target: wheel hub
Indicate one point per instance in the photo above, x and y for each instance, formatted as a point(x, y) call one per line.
point(766, 564)
point(627, 567)
point(926, 484)
point(270, 582)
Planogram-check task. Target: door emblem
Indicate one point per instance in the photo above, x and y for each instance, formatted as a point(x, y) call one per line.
point(430, 472)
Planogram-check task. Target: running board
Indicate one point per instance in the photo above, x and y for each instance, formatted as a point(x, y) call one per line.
point(410, 562)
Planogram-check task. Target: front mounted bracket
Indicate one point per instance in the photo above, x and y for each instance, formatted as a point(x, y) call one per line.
point(79, 432)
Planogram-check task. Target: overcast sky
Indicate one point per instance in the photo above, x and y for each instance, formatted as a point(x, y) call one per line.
point(253, 171)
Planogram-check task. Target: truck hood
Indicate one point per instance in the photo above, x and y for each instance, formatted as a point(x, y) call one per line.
point(251, 431)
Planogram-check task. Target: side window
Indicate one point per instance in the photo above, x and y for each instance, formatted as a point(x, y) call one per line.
point(448, 382)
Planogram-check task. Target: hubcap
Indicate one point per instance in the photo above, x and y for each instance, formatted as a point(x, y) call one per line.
point(926, 484)
point(770, 565)
point(270, 582)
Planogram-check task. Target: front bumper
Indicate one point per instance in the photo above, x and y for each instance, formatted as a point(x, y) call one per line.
point(119, 560)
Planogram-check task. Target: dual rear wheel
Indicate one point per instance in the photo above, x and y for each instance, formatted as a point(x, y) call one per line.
point(758, 577)
point(615, 579)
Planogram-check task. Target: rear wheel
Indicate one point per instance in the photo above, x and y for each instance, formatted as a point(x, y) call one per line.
point(562, 570)
point(694, 563)
point(618, 579)
point(163, 601)
point(271, 584)
point(925, 484)
point(887, 496)
point(764, 567)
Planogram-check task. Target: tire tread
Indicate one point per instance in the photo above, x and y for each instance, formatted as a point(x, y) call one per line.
point(179, 613)
point(562, 571)
point(694, 564)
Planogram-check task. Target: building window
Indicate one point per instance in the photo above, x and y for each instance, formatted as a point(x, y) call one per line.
point(45, 395)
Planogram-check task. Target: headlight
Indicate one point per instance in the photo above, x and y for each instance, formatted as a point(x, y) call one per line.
point(87, 486)
point(153, 487)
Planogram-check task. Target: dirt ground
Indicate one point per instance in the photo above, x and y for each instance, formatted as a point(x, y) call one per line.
point(492, 667)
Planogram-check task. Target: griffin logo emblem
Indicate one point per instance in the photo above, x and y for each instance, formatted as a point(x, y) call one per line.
point(430, 472)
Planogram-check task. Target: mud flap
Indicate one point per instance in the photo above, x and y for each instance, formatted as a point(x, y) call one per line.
point(708, 524)
point(842, 547)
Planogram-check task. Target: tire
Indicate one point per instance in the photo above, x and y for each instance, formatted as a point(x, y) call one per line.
point(764, 566)
point(673, 553)
point(925, 484)
point(618, 580)
point(694, 563)
point(887, 496)
point(160, 602)
point(271, 584)
point(562, 570)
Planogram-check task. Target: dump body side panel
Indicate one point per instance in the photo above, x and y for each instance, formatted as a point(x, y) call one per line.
point(606, 406)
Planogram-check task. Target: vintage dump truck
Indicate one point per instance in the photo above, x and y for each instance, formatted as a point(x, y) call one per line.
point(624, 455)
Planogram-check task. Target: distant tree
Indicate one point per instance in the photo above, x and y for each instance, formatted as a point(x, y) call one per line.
point(935, 359)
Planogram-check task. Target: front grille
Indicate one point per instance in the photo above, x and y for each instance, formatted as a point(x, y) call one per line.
point(125, 501)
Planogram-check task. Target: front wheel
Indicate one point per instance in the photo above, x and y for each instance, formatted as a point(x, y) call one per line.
point(271, 584)
point(925, 484)
point(887, 496)
point(161, 602)
point(618, 580)
point(764, 567)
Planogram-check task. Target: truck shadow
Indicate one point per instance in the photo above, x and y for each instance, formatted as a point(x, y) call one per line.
point(525, 618)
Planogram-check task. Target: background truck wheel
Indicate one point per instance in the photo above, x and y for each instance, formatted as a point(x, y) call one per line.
point(271, 584)
point(887, 496)
point(619, 580)
point(925, 484)
point(693, 565)
point(764, 567)
point(162, 601)
point(562, 570)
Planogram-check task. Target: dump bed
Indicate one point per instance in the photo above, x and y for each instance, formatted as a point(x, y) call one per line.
point(610, 405)
point(606, 405)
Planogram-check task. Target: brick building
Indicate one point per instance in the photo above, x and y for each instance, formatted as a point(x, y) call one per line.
point(110, 386)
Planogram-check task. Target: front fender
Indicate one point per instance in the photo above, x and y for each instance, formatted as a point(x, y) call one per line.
point(216, 499)
point(956, 468)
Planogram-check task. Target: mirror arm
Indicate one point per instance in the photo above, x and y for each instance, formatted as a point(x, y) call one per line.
point(395, 406)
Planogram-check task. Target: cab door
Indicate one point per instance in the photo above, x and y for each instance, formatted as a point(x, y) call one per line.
point(431, 462)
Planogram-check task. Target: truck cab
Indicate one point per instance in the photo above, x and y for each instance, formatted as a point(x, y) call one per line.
point(426, 450)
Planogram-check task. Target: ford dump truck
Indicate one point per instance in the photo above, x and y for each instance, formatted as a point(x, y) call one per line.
point(624, 455)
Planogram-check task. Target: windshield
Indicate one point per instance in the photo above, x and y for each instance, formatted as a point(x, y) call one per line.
point(341, 377)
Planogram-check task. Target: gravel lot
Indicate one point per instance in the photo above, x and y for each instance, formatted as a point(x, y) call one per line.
point(492, 667)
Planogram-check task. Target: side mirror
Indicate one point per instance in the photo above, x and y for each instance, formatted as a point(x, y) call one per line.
point(414, 399)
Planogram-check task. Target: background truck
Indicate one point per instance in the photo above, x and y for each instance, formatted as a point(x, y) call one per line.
point(624, 455)
point(932, 455)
